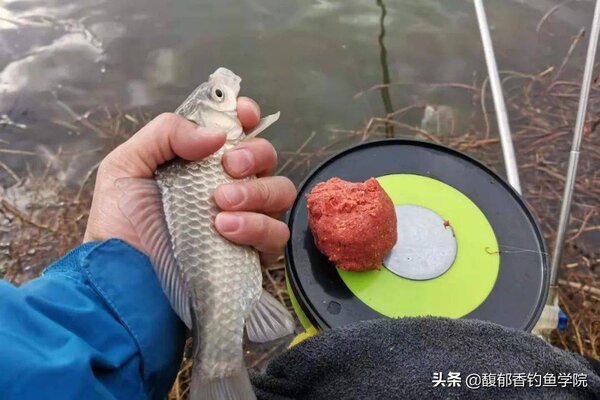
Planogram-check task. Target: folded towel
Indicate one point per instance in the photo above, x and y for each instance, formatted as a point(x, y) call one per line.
point(411, 358)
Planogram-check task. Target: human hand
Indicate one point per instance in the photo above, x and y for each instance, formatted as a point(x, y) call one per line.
point(250, 208)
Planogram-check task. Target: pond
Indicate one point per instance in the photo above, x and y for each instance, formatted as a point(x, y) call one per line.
point(63, 61)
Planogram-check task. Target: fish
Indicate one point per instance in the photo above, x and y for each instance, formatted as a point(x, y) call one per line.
point(214, 285)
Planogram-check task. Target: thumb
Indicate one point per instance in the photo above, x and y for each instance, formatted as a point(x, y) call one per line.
point(162, 139)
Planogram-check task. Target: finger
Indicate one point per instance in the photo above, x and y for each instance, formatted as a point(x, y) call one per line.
point(256, 156)
point(270, 195)
point(267, 259)
point(248, 112)
point(264, 233)
point(165, 137)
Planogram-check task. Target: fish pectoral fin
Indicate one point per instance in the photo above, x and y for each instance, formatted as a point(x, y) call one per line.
point(236, 387)
point(262, 125)
point(141, 203)
point(269, 320)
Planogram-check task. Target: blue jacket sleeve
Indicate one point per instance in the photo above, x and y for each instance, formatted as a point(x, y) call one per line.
point(95, 325)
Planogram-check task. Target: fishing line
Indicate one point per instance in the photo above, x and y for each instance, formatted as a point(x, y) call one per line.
point(514, 250)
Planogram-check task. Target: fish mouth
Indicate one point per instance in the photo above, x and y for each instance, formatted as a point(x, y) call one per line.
point(192, 120)
point(231, 113)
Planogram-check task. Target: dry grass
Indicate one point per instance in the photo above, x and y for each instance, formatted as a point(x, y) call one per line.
point(42, 217)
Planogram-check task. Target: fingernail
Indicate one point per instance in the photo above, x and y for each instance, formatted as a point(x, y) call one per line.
point(234, 194)
point(239, 161)
point(210, 131)
point(228, 223)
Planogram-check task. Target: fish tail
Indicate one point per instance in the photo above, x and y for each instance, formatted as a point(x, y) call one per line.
point(235, 387)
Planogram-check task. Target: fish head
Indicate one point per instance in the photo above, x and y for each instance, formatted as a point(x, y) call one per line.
point(214, 103)
point(223, 87)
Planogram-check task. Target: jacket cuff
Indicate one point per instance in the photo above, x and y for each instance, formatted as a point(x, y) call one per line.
point(124, 279)
point(70, 265)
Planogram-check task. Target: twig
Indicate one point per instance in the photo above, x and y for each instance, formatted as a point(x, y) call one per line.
point(549, 13)
point(571, 49)
point(449, 84)
point(10, 172)
point(84, 181)
point(15, 211)
point(306, 142)
point(20, 152)
point(79, 118)
point(483, 108)
point(585, 221)
point(581, 286)
point(575, 323)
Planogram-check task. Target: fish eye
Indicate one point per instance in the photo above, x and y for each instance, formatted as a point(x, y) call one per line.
point(218, 95)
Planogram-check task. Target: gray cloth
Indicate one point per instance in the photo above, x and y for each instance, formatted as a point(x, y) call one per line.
point(396, 359)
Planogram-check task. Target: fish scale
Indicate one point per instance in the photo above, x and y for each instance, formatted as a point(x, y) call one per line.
point(217, 271)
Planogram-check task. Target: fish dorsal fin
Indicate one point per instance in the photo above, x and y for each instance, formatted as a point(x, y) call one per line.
point(268, 320)
point(141, 203)
point(262, 125)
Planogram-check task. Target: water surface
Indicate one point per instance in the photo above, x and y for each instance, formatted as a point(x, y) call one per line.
point(305, 58)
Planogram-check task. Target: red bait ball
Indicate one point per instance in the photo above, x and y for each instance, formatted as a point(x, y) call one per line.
point(354, 224)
